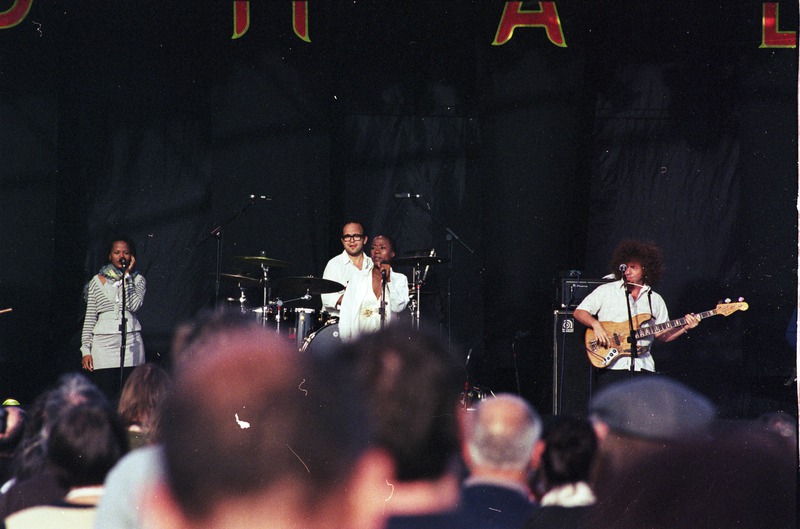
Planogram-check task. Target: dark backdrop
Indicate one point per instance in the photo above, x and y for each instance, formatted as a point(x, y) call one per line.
point(661, 121)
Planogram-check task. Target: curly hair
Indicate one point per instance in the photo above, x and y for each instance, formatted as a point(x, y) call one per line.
point(645, 253)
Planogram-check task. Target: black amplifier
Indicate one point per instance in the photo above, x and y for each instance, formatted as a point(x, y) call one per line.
point(571, 291)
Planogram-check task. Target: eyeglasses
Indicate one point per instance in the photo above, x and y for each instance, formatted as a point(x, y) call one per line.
point(353, 237)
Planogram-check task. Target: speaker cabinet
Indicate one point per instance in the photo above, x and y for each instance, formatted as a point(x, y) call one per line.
point(573, 374)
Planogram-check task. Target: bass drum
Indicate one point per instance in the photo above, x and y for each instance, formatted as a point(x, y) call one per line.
point(324, 342)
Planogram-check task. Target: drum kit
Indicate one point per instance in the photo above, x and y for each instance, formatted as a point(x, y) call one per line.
point(290, 312)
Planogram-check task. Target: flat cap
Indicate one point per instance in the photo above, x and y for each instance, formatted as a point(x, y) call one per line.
point(653, 407)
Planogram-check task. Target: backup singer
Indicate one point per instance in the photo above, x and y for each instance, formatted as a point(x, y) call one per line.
point(361, 302)
point(608, 302)
point(101, 339)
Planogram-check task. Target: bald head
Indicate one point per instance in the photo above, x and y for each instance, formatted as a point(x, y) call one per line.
point(502, 432)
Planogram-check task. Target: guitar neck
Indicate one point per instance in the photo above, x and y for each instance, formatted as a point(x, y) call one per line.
point(653, 329)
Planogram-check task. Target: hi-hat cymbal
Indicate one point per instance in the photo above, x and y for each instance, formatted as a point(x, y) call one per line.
point(310, 284)
point(266, 261)
point(419, 261)
point(236, 277)
point(422, 252)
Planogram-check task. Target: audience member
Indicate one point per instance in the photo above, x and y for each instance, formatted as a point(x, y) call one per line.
point(412, 385)
point(139, 471)
point(12, 425)
point(562, 480)
point(33, 482)
point(259, 436)
point(742, 478)
point(84, 443)
point(637, 418)
point(140, 403)
point(500, 448)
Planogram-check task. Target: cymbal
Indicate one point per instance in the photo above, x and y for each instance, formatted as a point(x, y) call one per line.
point(422, 252)
point(413, 292)
point(310, 284)
point(266, 261)
point(236, 277)
point(419, 261)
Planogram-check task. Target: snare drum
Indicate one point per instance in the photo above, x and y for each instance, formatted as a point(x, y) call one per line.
point(271, 317)
point(323, 342)
point(303, 323)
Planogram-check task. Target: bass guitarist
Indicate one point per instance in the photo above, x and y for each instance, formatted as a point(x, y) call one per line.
point(642, 265)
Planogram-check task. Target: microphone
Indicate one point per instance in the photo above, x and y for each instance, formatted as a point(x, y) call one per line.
point(383, 274)
point(623, 267)
point(253, 198)
point(407, 195)
point(123, 262)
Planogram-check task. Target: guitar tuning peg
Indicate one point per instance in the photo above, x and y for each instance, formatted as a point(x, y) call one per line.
point(741, 299)
point(727, 300)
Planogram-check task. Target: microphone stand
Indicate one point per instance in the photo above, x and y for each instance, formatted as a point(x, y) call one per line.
point(123, 327)
point(383, 298)
point(632, 332)
point(451, 236)
point(218, 233)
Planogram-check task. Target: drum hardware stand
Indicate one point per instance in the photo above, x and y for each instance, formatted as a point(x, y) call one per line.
point(279, 303)
point(415, 309)
point(267, 295)
point(242, 299)
point(419, 280)
point(451, 236)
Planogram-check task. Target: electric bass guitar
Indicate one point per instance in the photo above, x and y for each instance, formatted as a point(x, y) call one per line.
point(618, 333)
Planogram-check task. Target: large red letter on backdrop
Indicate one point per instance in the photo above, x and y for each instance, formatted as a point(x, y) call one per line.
point(514, 16)
point(241, 18)
point(300, 19)
point(771, 36)
point(15, 14)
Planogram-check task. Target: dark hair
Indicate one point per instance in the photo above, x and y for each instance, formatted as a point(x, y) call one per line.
point(363, 229)
point(120, 238)
point(391, 242)
point(645, 253)
point(412, 384)
point(570, 445)
point(304, 425)
point(72, 389)
point(142, 398)
point(85, 443)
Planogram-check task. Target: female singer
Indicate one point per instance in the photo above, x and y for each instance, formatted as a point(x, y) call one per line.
point(101, 340)
point(364, 296)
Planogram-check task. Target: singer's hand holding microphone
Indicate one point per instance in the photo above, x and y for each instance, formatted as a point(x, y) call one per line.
point(126, 265)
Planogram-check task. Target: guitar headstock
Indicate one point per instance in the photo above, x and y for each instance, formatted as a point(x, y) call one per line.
point(729, 307)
